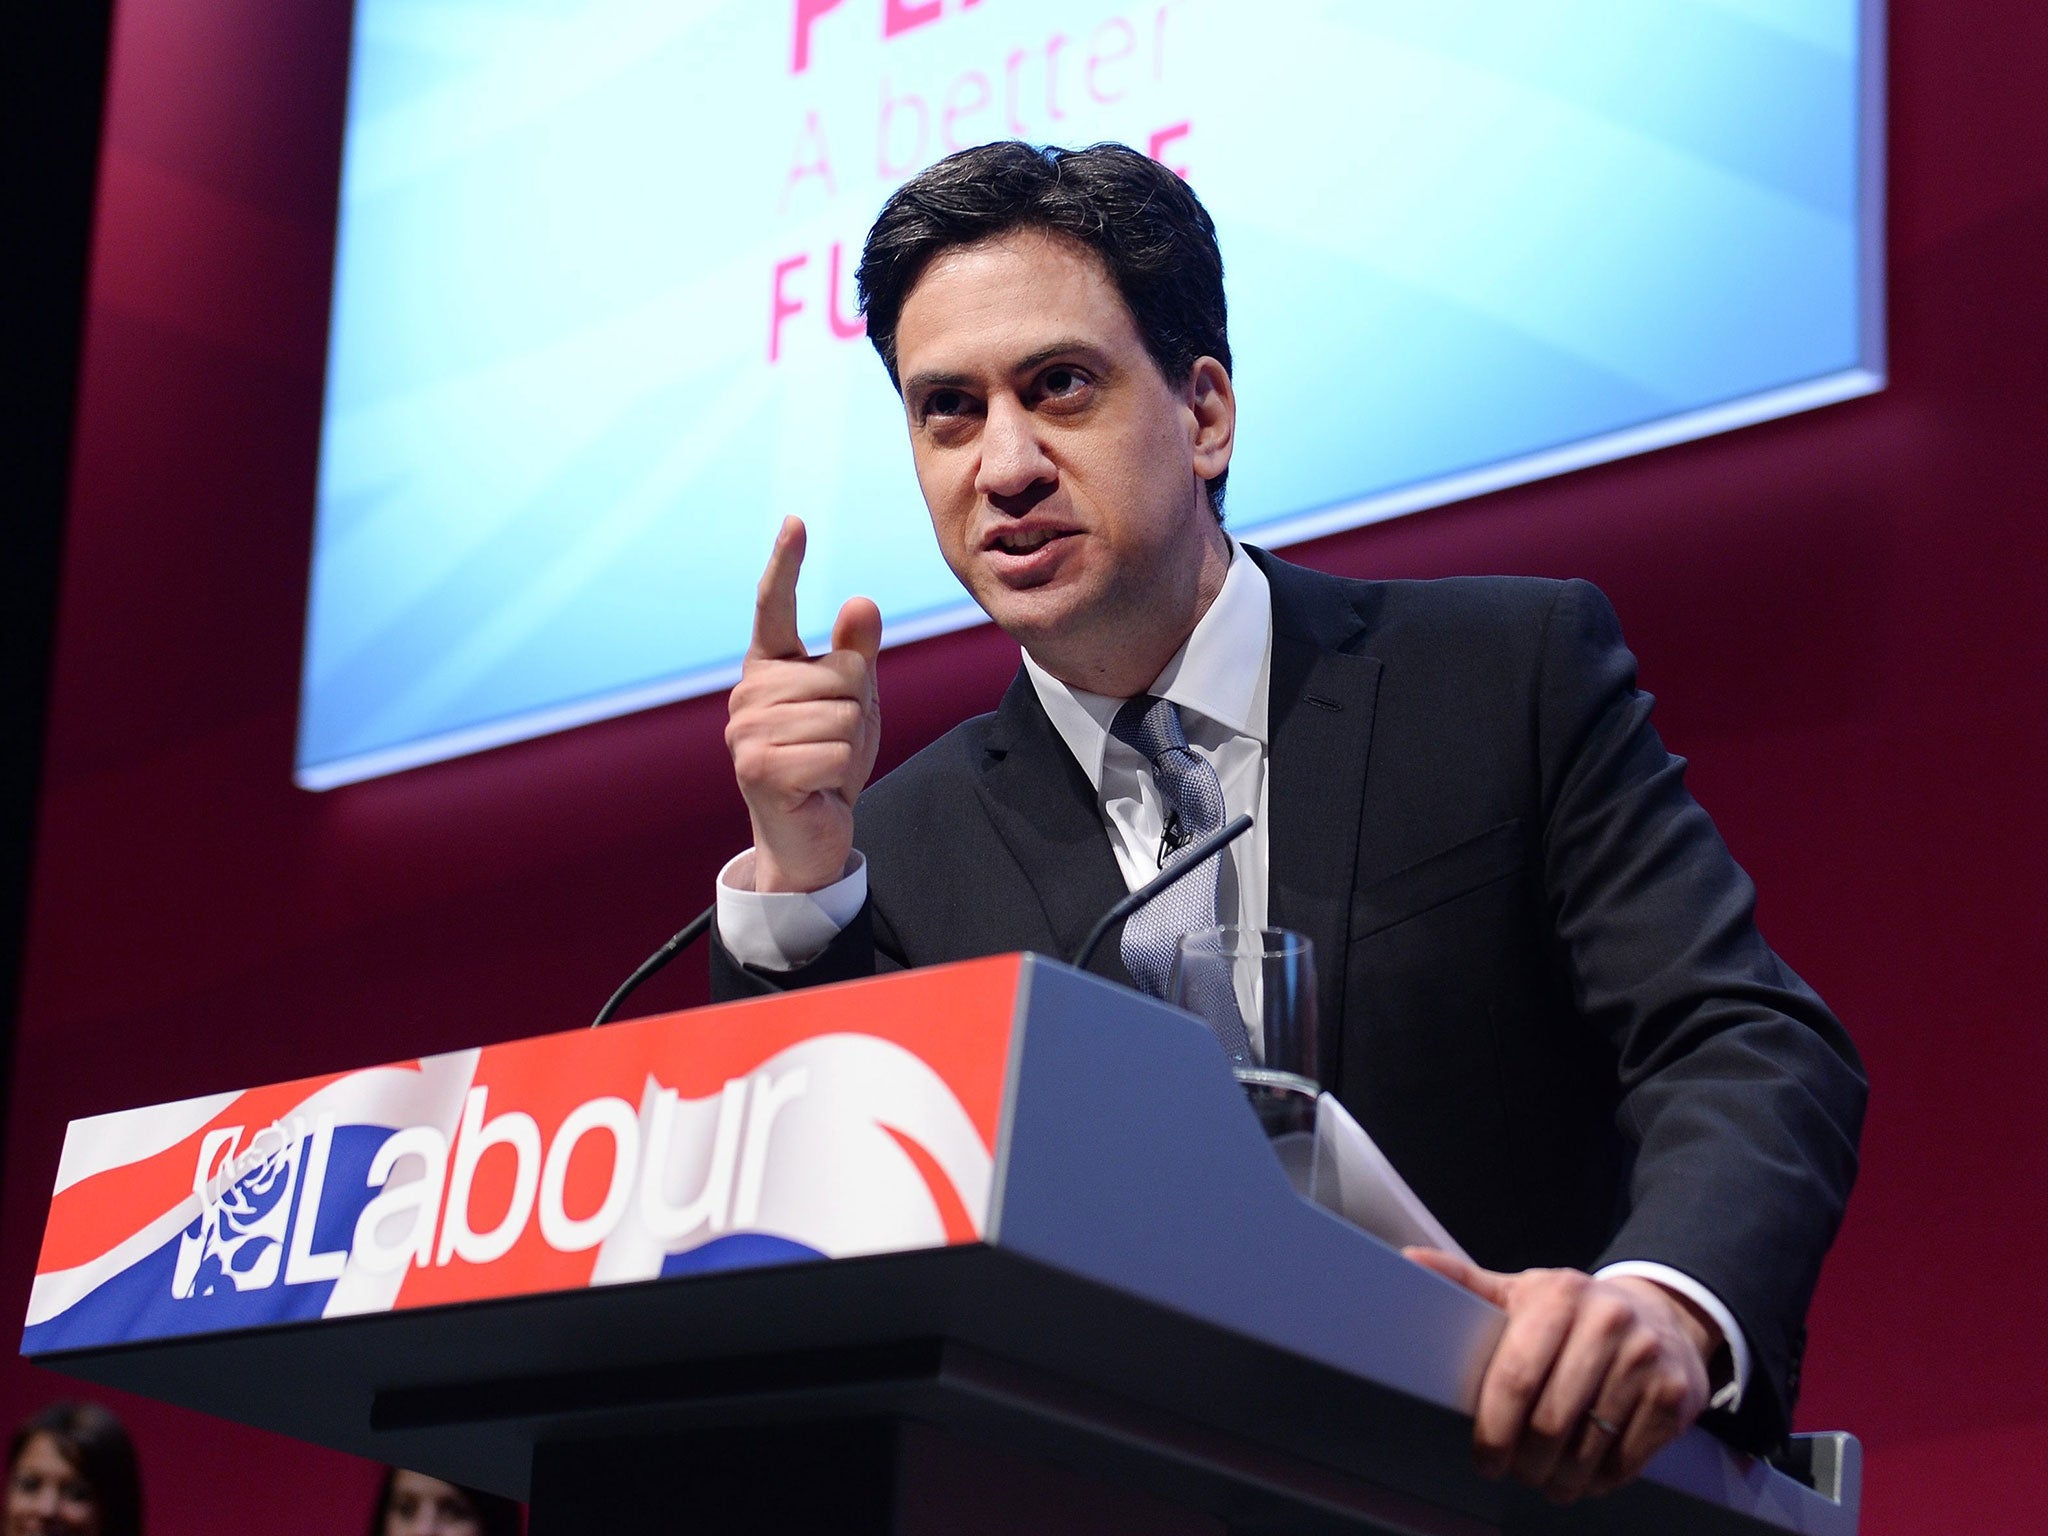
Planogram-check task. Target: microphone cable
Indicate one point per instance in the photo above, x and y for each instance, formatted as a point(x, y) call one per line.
point(694, 930)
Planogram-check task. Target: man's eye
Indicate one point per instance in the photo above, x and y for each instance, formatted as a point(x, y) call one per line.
point(945, 402)
point(1064, 387)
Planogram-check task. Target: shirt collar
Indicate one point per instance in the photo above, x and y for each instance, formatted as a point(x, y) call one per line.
point(1220, 673)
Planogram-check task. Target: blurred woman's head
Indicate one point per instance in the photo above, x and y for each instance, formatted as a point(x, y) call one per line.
point(413, 1504)
point(71, 1472)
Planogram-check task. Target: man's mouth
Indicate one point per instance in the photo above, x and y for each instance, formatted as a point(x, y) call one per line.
point(1028, 554)
point(1023, 540)
point(1022, 543)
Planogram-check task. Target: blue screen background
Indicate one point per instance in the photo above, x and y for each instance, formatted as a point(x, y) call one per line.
point(1466, 243)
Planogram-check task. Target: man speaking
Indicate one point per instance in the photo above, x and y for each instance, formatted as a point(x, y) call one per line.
point(1541, 989)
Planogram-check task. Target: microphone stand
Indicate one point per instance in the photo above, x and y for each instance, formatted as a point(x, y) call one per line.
point(694, 930)
point(1197, 853)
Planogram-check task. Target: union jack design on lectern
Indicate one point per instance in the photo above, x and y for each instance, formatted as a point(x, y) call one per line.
point(815, 1125)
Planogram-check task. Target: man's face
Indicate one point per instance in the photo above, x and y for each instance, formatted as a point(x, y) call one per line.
point(1063, 473)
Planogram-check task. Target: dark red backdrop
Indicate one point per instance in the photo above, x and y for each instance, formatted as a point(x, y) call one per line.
point(1846, 614)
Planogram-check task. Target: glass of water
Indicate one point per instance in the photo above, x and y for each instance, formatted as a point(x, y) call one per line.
point(1270, 974)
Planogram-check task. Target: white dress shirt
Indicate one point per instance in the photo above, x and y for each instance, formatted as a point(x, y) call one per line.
point(1220, 680)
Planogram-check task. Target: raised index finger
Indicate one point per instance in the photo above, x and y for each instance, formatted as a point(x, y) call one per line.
point(775, 636)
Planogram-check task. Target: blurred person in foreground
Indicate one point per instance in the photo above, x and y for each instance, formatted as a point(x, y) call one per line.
point(414, 1504)
point(71, 1471)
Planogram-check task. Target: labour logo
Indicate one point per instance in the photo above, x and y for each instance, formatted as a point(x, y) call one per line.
point(245, 1204)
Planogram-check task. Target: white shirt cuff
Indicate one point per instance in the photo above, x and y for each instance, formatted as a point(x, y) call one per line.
point(1729, 1395)
point(781, 930)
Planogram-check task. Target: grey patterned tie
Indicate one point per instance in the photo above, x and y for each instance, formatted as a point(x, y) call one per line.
point(1193, 793)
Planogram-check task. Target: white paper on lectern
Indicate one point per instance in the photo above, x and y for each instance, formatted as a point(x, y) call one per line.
point(1352, 1177)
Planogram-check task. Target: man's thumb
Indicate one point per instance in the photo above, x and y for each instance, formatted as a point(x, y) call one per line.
point(858, 628)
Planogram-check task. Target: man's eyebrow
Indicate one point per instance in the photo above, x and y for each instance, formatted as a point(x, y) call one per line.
point(917, 383)
point(1072, 347)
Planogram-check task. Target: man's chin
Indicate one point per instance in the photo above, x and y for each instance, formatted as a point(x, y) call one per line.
point(1040, 640)
point(1069, 649)
point(1029, 613)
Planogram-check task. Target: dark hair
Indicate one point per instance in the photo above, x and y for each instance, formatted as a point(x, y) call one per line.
point(496, 1514)
point(1150, 231)
point(99, 1450)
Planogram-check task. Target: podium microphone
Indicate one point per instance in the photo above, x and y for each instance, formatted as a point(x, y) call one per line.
point(694, 930)
point(1197, 854)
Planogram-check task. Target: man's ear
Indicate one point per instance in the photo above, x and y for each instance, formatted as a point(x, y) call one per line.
point(1213, 404)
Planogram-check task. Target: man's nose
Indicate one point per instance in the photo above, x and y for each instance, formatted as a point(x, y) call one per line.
point(1012, 457)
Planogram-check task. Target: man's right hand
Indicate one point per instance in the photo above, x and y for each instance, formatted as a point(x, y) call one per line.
point(803, 730)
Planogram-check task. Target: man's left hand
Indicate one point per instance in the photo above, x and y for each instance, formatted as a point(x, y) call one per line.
point(1590, 1379)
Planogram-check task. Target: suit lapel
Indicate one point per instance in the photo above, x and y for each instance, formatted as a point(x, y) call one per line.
point(1045, 811)
point(1320, 722)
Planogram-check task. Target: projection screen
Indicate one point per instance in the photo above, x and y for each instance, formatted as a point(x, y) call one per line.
point(594, 331)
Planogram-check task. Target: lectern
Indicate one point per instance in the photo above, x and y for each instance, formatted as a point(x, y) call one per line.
point(988, 1247)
